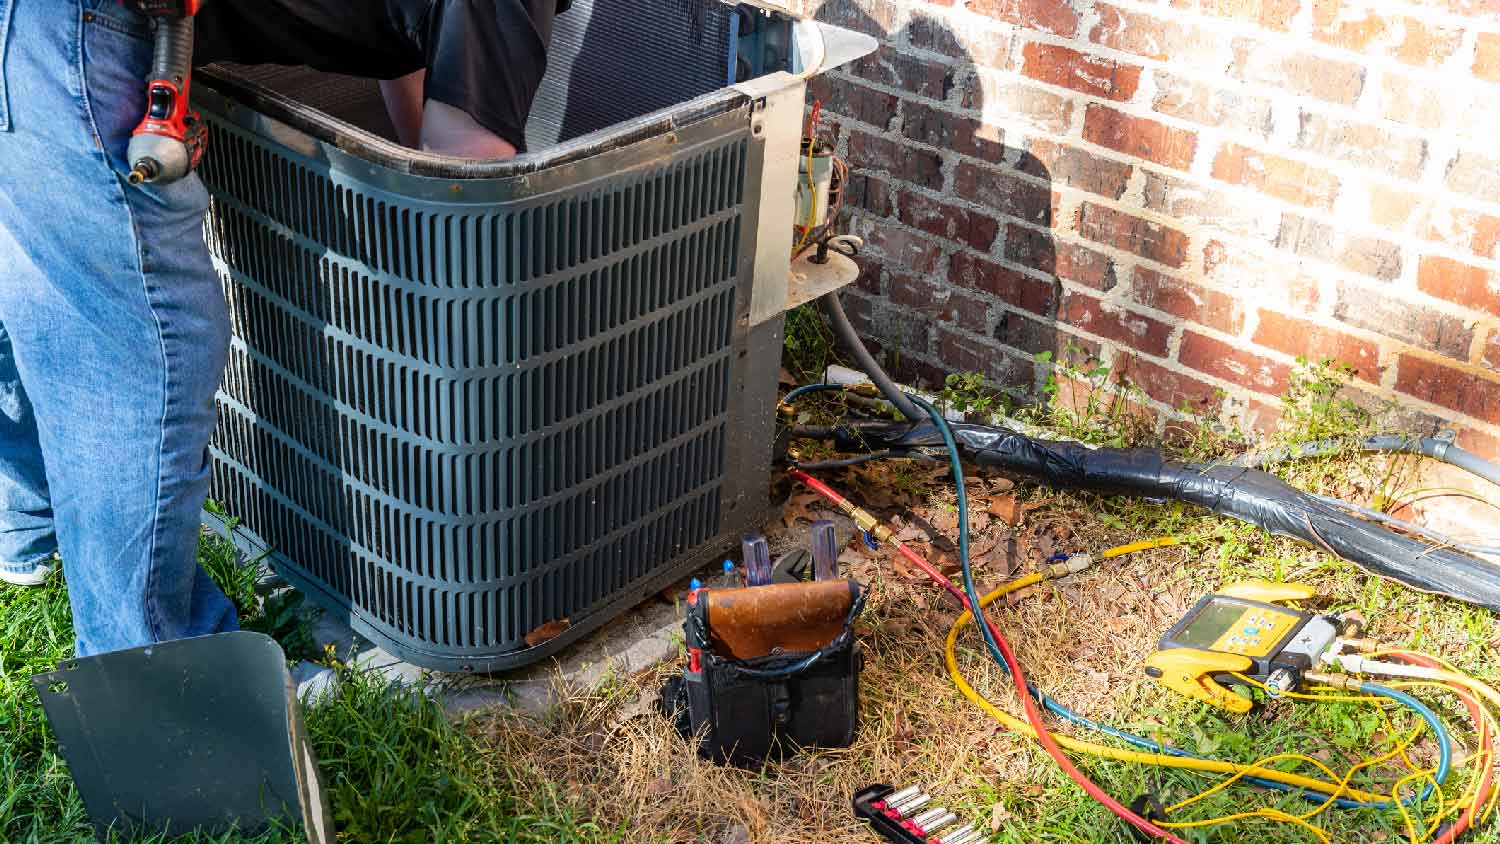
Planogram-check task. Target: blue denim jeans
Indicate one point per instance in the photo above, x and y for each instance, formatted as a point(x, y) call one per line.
point(113, 334)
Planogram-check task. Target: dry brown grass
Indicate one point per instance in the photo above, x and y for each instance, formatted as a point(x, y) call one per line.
point(607, 754)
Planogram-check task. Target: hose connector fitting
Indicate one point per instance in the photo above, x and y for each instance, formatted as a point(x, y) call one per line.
point(1335, 681)
point(1073, 565)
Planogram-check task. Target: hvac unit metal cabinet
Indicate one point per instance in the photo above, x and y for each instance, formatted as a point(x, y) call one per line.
point(466, 400)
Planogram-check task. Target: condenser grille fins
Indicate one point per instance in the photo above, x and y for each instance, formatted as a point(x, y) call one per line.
point(464, 421)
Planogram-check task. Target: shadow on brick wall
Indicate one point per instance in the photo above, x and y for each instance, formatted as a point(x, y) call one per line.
point(959, 267)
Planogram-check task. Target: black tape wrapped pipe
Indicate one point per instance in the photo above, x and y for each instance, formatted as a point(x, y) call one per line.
point(1248, 494)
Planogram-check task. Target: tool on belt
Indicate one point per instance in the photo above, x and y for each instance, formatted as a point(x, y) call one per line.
point(169, 142)
point(770, 669)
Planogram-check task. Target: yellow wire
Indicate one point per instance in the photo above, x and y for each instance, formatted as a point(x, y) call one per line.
point(1251, 681)
point(1482, 756)
point(1103, 751)
point(1411, 828)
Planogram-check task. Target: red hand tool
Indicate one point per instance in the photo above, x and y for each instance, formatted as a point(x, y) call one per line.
point(169, 142)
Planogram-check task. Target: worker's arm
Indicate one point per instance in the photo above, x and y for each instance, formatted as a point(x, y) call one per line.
point(438, 127)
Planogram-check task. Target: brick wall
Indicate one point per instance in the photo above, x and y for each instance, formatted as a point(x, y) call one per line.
point(1194, 192)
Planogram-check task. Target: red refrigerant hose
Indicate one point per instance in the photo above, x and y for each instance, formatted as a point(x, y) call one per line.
point(1033, 715)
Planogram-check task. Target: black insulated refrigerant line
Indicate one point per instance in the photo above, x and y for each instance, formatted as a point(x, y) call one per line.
point(1242, 492)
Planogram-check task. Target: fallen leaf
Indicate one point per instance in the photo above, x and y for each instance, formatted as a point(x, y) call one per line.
point(800, 506)
point(1007, 509)
point(1002, 484)
point(910, 533)
point(785, 378)
point(547, 632)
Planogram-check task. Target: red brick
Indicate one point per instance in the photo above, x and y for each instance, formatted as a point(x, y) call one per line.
point(984, 47)
point(1211, 105)
point(1005, 192)
point(1489, 356)
point(946, 130)
point(1475, 175)
point(1486, 10)
point(1487, 56)
point(1033, 336)
point(860, 311)
point(1315, 239)
point(872, 17)
point(1392, 208)
point(965, 354)
point(1177, 390)
point(1156, 38)
point(1195, 203)
point(1461, 284)
point(893, 69)
point(871, 271)
point(1421, 326)
point(1250, 277)
point(1019, 101)
point(1068, 165)
point(1112, 322)
point(1139, 137)
point(1234, 363)
point(948, 221)
point(871, 193)
point(1013, 287)
point(967, 312)
point(1300, 338)
point(1157, 242)
point(1271, 14)
point(1482, 444)
point(1362, 144)
point(1422, 45)
point(1303, 73)
point(1430, 218)
point(1283, 178)
point(901, 247)
point(1356, 27)
point(919, 293)
point(1054, 16)
point(1086, 74)
point(1448, 386)
point(1413, 101)
point(926, 297)
point(1186, 300)
point(1039, 250)
point(853, 100)
point(919, 167)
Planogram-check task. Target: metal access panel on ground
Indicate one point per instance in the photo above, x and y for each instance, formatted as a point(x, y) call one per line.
point(469, 399)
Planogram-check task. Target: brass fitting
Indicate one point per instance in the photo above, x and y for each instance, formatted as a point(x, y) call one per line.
point(1363, 646)
point(1335, 681)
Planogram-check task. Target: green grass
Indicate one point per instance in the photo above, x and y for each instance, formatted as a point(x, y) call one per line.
point(394, 768)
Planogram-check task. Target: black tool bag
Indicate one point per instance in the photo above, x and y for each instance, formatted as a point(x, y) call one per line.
point(772, 669)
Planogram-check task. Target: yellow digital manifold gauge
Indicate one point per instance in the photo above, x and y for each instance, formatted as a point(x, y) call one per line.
point(1243, 630)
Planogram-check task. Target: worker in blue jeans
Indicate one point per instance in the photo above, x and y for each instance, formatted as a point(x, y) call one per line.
point(113, 327)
